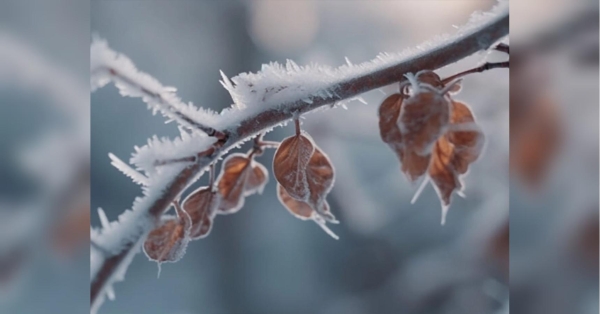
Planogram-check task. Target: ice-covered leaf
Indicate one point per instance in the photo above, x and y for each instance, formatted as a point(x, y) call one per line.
point(201, 205)
point(389, 111)
point(424, 117)
point(413, 165)
point(167, 242)
point(290, 162)
point(304, 171)
point(304, 211)
point(257, 179)
point(240, 176)
point(320, 176)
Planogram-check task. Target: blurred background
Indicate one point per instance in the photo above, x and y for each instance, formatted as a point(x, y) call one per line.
point(392, 257)
point(44, 156)
point(554, 157)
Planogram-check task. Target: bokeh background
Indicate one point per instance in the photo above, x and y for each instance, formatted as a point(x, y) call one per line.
point(554, 157)
point(44, 156)
point(392, 257)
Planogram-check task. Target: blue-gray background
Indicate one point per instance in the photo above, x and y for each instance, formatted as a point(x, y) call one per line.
point(263, 260)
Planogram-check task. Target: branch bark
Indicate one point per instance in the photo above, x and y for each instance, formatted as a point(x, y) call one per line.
point(475, 40)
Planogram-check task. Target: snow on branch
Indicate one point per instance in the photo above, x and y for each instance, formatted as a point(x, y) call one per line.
point(262, 101)
point(106, 65)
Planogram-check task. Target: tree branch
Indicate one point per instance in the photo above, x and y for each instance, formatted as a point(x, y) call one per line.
point(476, 39)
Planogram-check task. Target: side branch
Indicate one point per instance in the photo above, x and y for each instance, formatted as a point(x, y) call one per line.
point(168, 107)
point(486, 66)
point(476, 39)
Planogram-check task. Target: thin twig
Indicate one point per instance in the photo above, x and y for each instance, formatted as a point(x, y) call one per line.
point(211, 178)
point(502, 47)
point(465, 45)
point(479, 69)
point(169, 107)
point(268, 144)
point(297, 125)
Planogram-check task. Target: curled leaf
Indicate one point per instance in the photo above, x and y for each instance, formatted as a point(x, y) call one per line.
point(201, 206)
point(240, 176)
point(168, 241)
point(289, 165)
point(304, 211)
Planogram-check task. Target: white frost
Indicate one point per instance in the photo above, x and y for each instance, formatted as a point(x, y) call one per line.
point(127, 170)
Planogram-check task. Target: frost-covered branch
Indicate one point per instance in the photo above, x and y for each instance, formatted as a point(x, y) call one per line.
point(262, 101)
point(107, 65)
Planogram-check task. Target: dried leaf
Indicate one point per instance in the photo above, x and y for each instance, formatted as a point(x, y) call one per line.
point(304, 211)
point(257, 179)
point(389, 111)
point(240, 176)
point(466, 137)
point(320, 176)
point(429, 77)
point(423, 119)
point(442, 173)
point(201, 205)
point(168, 241)
point(413, 165)
point(289, 165)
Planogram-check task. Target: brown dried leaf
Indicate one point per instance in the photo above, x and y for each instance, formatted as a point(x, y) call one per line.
point(289, 165)
point(429, 77)
point(442, 173)
point(231, 182)
point(320, 176)
point(389, 111)
point(240, 176)
point(304, 211)
point(466, 137)
point(413, 165)
point(423, 119)
point(168, 241)
point(257, 179)
point(201, 205)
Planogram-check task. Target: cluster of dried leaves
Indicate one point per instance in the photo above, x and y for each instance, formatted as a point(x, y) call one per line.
point(432, 134)
point(304, 175)
point(240, 176)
